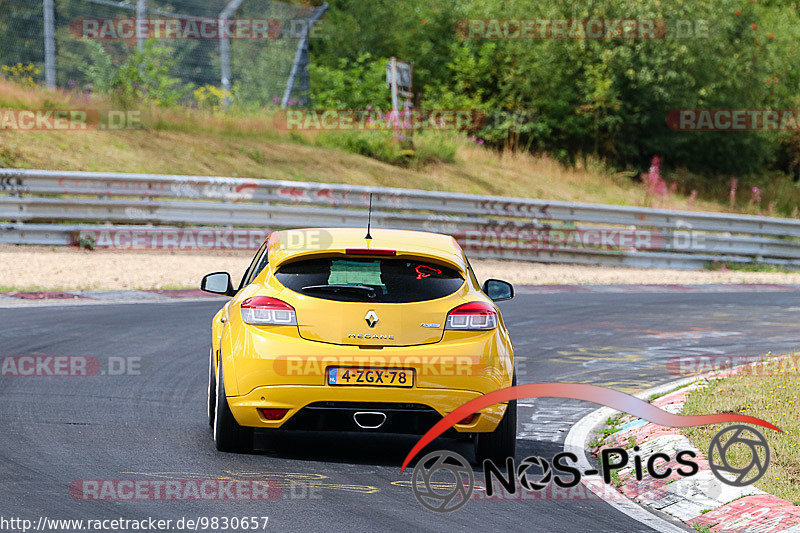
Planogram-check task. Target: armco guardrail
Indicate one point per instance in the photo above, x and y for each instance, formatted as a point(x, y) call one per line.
point(152, 211)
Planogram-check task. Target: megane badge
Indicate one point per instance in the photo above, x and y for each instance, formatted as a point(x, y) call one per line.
point(372, 319)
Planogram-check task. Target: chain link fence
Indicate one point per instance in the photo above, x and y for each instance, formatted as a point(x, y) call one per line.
point(257, 48)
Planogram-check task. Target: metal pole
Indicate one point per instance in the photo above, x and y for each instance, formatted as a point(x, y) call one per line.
point(305, 81)
point(141, 14)
point(49, 44)
point(395, 103)
point(302, 52)
point(225, 43)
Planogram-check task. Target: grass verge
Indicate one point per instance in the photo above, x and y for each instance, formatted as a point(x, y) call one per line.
point(768, 391)
point(183, 140)
point(748, 267)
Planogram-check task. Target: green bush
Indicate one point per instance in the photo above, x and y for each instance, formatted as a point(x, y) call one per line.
point(142, 77)
point(376, 144)
point(436, 147)
point(358, 84)
point(607, 97)
point(425, 148)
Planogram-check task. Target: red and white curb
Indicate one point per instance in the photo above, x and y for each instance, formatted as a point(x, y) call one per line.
point(700, 501)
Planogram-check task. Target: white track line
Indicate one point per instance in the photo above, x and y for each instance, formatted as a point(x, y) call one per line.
point(26, 304)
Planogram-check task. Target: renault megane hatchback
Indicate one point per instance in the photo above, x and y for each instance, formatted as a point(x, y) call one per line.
point(330, 330)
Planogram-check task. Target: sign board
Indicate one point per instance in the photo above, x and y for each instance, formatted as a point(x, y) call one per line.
point(405, 77)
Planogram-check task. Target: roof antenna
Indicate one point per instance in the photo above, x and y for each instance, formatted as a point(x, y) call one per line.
point(369, 219)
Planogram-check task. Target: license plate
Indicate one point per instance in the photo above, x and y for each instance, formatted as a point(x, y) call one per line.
point(372, 377)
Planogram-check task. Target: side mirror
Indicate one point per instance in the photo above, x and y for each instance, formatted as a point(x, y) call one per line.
point(498, 290)
point(218, 283)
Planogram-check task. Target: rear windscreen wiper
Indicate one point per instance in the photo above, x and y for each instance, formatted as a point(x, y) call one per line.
point(352, 289)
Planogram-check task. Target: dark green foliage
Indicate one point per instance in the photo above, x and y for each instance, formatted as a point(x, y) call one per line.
point(604, 97)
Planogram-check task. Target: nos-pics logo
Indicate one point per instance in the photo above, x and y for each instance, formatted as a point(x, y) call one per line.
point(443, 481)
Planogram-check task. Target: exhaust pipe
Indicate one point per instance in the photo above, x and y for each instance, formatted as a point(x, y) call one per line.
point(369, 419)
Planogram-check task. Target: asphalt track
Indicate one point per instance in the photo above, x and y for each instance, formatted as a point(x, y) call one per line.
point(152, 425)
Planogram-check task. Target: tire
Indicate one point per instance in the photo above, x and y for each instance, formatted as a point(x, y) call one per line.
point(212, 389)
point(502, 442)
point(229, 436)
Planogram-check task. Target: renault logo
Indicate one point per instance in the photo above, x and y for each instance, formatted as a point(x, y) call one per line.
point(371, 318)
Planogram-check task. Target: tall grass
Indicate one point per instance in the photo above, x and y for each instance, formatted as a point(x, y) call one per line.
point(422, 149)
point(456, 162)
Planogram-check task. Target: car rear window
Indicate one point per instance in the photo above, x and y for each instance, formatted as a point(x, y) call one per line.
point(370, 280)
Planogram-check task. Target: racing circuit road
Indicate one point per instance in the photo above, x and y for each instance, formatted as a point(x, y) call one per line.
point(57, 430)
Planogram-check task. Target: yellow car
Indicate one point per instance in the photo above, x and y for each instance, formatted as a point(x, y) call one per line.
point(343, 330)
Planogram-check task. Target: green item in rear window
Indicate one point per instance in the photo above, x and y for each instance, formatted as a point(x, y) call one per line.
point(355, 273)
point(395, 280)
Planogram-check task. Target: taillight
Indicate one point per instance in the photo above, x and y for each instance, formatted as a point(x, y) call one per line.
point(273, 414)
point(266, 311)
point(469, 419)
point(472, 316)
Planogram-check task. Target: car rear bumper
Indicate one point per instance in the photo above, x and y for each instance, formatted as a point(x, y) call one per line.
point(412, 410)
point(480, 362)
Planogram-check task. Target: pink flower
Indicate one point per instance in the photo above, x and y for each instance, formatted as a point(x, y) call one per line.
point(756, 196)
point(655, 186)
point(734, 186)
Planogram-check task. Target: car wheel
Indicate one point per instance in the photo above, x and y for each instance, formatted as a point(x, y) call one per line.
point(229, 436)
point(502, 442)
point(212, 388)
